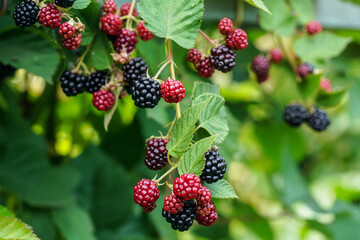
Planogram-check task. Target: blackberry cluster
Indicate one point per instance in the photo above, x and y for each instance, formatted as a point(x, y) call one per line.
point(72, 83)
point(184, 219)
point(146, 93)
point(295, 115)
point(318, 120)
point(134, 70)
point(156, 153)
point(223, 58)
point(95, 81)
point(261, 65)
point(215, 167)
point(26, 13)
point(65, 3)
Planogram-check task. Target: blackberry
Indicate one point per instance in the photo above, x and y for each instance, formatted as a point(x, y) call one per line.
point(64, 3)
point(225, 26)
point(125, 9)
point(173, 204)
point(313, 27)
point(146, 93)
point(26, 13)
point(187, 187)
point(194, 55)
point(209, 219)
point(72, 42)
point(261, 65)
point(237, 39)
point(134, 70)
point(109, 6)
point(223, 58)
point(156, 153)
point(125, 39)
point(111, 23)
point(173, 91)
point(205, 68)
point(50, 16)
point(305, 69)
point(295, 115)
point(103, 100)
point(184, 219)
point(72, 83)
point(143, 32)
point(146, 193)
point(318, 120)
point(276, 55)
point(215, 166)
point(95, 81)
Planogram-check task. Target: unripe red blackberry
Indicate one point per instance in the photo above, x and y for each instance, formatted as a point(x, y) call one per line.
point(26, 13)
point(276, 55)
point(66, 30)
point(125, 39)
point(225, 26)
point(65, 3)
point(103, 100)
point(184, 219)
point(215, 166)
point(318, 120)
point(295, 115)
point(146, 92)
point(204, 196)
point(305, 69)
point(146, 193)
point(109, 6)
point(261, 65)
point(325, 84)
point(125, 9)
point(223, 58)
point(237, 39)
point(313, 27)
point(173, 204)
point(172, 91)
point(111, 23)
point(194, 55)
point(72, 42)
point(156, 153)
point(50, 16)
point(143, 32)
point(205, 68)
point(187, 187)
point(72, 83)
point(203, 209)
point(208, 220)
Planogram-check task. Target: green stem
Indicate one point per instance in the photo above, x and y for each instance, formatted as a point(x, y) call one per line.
point(167, 173)
point(81, 59)
point(161, 69)
point(129, 20)
point(239, 13)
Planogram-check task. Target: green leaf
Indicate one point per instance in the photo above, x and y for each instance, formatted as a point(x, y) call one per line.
point(331, 99)
point(183, 131)
point(32, 50)
point(81, 4)
point(221, 189)
point(282, 22)
point(304, 10)
point(5, 213)
point(310, 85)
point(109, 114)
point(74, 223)
point(178, 20)
point(202, 87)
point(13, 229)
point(321, 46)
point(259, 4)
point(193, 159)
point(100, 53)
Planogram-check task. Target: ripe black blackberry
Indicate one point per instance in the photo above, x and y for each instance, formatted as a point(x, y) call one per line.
point(64, 3)
point(295, 115)
point(223, 58)
point(72, 83)
point(134, 70)
point(215, 166)
point(183, 220)
point(318, 120)
point(26, 13)
point(95, 81)
point(146, 93)
point(156, 153)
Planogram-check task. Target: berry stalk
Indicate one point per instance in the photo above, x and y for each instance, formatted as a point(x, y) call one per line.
point(207, 37)
point(128, 22)
point(167, 173)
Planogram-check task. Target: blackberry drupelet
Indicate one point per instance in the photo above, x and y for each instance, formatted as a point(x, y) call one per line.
point(183, 220)
point(95, 81)
point(156, 153)
point(295, 115)
point(318, 120)
point(134, 70)
point(223, 58)
point(215, 166)
point(146, 93)
point(72, 83)
point(26, 13)
point(65, 3)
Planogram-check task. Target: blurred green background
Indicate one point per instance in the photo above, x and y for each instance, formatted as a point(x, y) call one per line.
point(61, 173)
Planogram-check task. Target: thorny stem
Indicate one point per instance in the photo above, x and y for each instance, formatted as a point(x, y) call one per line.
point(207, 37)
point(167, 173)
point(128, 22)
